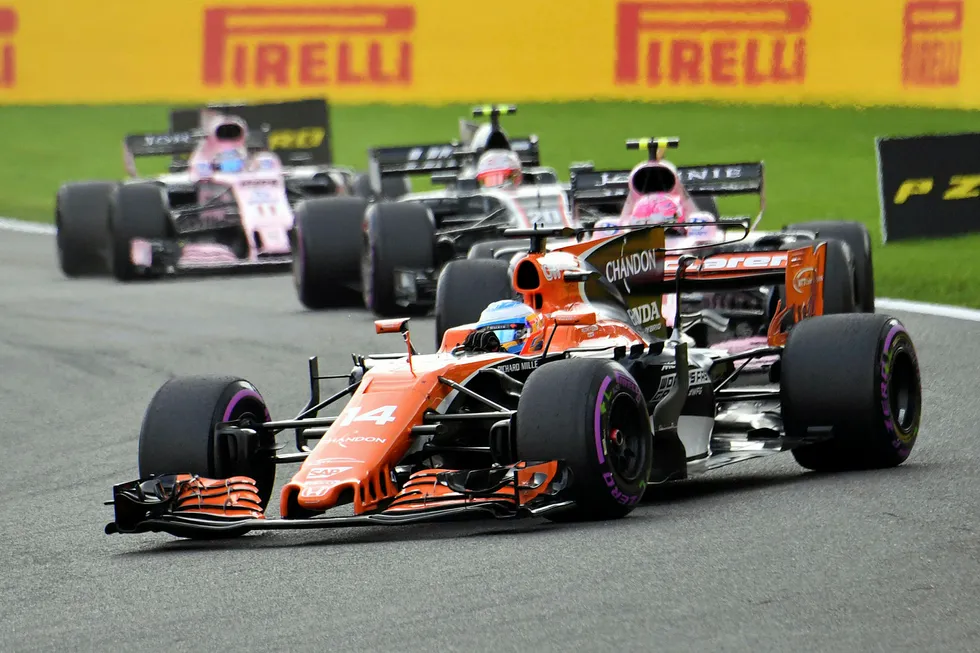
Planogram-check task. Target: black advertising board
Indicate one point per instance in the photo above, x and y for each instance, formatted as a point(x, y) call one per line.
point(299, 130)
point(929, 186)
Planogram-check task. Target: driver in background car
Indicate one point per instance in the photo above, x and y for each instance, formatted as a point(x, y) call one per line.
point(660, 208)
point(499, 169)
point(230, 160)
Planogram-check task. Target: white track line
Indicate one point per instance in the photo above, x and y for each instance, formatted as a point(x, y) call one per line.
point(924, 308)
point(25, 227)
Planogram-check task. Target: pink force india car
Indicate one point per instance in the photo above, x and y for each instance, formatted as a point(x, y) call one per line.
point(226, 203)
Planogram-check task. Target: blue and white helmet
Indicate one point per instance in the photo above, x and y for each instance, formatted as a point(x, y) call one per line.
point(511, 321)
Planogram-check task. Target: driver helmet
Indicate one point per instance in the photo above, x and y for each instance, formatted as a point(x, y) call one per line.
point(511, 321)
point(499, 169)
point(656, 208)
point(229, 161)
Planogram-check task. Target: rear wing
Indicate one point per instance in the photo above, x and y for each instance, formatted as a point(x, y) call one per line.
point(610, 188)
point(442, 157)
point(442, 160)
point(636, 265)
point(602, 186)
point(179, 145)
point(298, 131)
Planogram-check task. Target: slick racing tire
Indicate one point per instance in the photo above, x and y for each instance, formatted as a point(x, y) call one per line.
point(81, 219)
point(397, 236)
point(859, 375)
point(178, 432)
point(326, 241)
point(136, 211)
point(589, 413)
point(855, 235)
point(465, 288)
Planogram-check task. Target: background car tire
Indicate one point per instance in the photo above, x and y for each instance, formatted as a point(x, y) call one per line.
point(178, 432)
point(396, 235)
point(82, 223)
point(465, 288)
point(855, 235)
point(326, 250)
point(576, 410)
point(136, 211)
point(858, 374)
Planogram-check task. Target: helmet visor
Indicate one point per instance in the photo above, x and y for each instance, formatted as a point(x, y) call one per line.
point(511, 336)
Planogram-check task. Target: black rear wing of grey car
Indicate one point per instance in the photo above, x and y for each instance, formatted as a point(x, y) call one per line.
point(440, 158)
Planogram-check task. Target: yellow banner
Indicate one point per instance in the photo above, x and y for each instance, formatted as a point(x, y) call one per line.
point(901, 52)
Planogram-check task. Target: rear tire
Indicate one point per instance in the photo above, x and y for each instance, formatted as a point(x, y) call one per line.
point(136, 211)
point(855, 235)
point(177, 435)
point(465, 288)
point(82, 224)
point(326, 247)
point(396, 236)
point(858, 374)
point(591, 414)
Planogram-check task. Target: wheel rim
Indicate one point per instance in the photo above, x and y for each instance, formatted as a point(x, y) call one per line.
point(626, 444)
point(903, 392)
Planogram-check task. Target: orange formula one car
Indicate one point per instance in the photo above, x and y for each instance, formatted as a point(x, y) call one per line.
point(570, 412)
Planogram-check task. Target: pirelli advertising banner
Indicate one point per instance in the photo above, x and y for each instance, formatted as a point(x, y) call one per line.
point(904, 52)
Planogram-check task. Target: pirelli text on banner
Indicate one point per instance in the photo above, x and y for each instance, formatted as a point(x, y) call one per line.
point(8, 47)
point(932, 43)
point(929, 186)
point(866, 52)
point(714, 43)
point(308, 46)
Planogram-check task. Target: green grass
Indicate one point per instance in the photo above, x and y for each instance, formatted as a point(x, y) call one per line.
point(820, 161)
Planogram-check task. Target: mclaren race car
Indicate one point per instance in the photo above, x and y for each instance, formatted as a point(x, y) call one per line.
point(610, 197)
point(580, 422)
point(226, 203)
point(391, 251)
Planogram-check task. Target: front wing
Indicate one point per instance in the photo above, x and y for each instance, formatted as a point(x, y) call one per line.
point(190, 506)
point(169, 257)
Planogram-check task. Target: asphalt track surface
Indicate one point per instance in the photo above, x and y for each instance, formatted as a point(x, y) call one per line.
point(759, 556)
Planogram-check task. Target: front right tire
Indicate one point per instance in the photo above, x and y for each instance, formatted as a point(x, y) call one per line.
point(178, 432)
point(590, 413)
point(81, 223)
